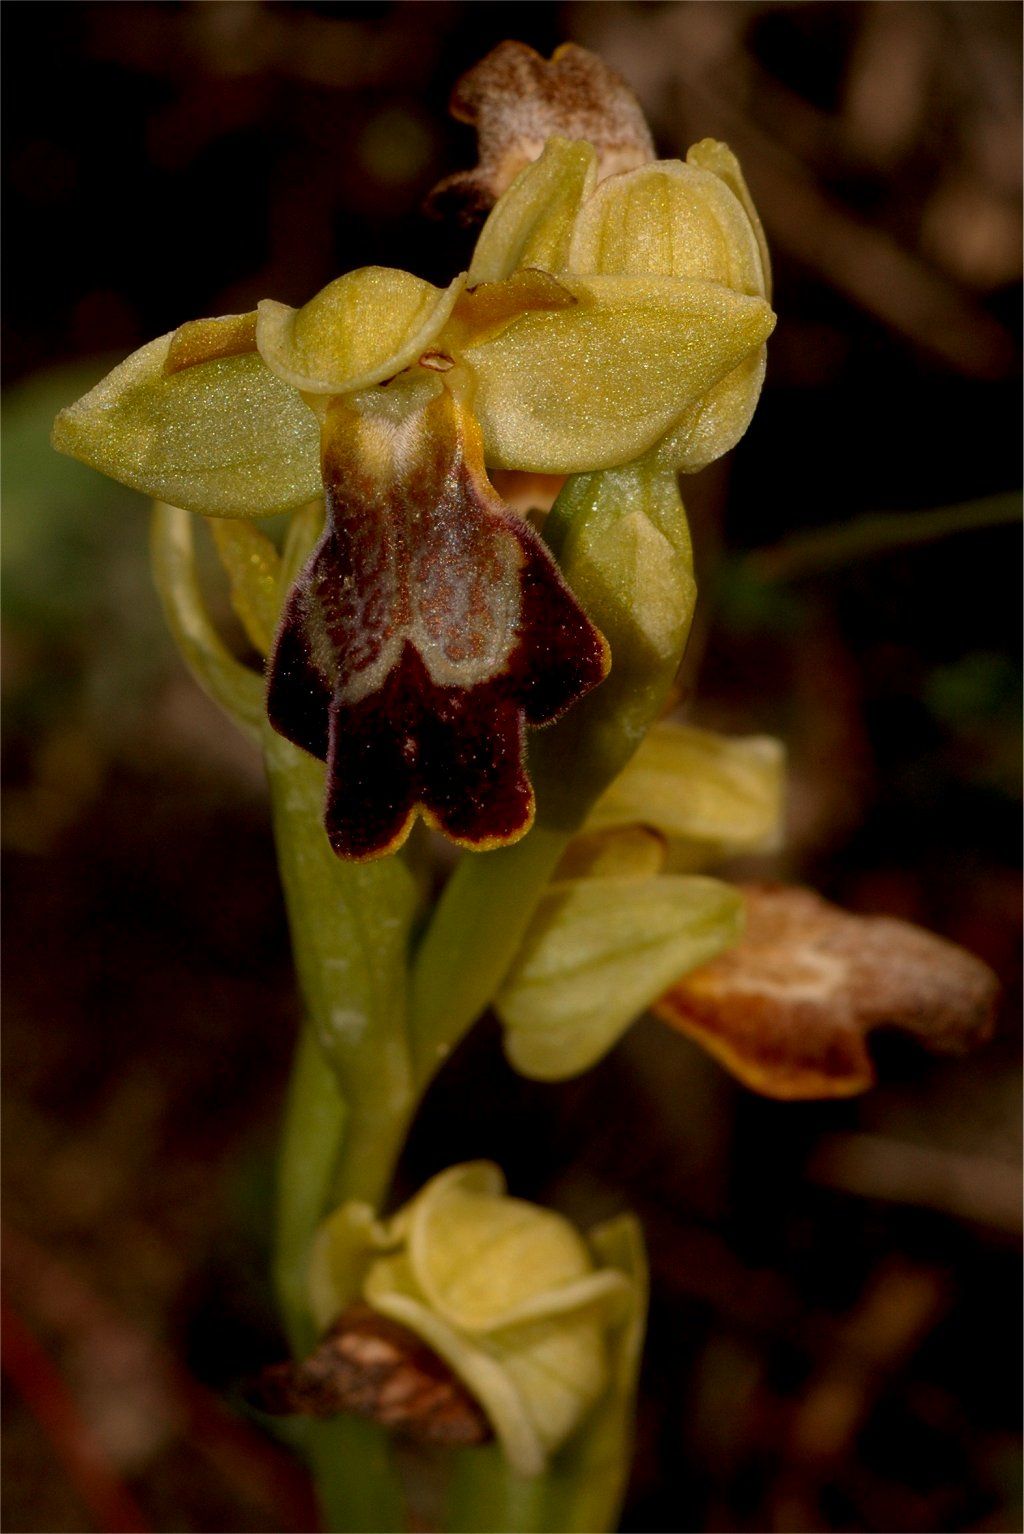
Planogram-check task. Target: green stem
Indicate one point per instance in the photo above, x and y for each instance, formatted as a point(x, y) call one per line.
point(314, 1123)
point(349, 1100)
point(476, 930)
point(484, 1495)
point(373, 1142)
point(357, 1481)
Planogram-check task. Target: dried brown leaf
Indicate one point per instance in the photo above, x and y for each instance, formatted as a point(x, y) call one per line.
point(788, 1010)
point(371, 1367)
point(517, 100)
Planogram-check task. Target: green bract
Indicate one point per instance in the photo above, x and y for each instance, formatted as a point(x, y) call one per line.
point(645, 336)
point(509, 1294)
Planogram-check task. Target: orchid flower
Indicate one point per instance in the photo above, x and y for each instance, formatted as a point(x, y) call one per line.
point(604, 319)
point(528, 1313)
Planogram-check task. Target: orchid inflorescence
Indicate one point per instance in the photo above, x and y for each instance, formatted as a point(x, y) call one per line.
point(611, 327)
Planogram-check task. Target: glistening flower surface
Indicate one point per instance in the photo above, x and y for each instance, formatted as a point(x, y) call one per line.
point(602, 322)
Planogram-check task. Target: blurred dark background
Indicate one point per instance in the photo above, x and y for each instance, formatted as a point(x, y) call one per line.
point(834, 1338)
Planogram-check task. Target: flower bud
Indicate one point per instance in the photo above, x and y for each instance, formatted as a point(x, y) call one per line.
point(507, 1293)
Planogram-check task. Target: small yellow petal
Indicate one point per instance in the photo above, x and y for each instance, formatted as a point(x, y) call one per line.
point(485, 311)
point(230, 335)
point(613, 852)
point(532, 223)
point(252, 565)
point(362, 328)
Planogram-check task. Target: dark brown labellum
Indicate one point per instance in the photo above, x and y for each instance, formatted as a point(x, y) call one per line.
point(429, 627)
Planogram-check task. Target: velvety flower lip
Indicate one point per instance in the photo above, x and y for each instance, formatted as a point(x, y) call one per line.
point(429, 626)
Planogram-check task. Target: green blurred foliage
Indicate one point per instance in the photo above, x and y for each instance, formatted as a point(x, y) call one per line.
point(83, 631)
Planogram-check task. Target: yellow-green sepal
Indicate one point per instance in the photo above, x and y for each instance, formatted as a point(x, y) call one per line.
point(716, 423)
point(532, 223)
point(597, 384)
point(597, 952)
point(708, 795)
point(359, 330)
point(223, 437)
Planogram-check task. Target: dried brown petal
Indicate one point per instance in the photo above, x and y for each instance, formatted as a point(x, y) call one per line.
point(789, 1008)
point(369, 1366)
point(517, 100)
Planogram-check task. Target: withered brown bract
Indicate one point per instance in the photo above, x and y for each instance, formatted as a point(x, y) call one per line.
point(370, 1366)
